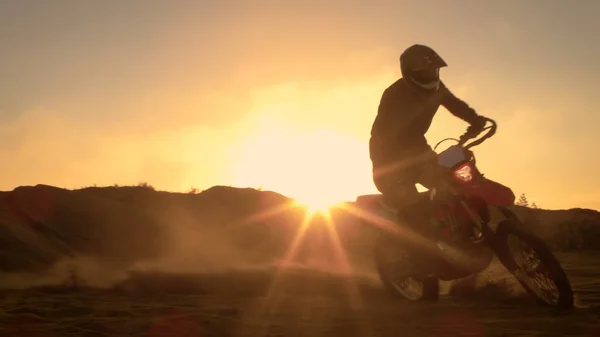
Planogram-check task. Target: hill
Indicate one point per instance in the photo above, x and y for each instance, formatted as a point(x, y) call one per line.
point(222, 227)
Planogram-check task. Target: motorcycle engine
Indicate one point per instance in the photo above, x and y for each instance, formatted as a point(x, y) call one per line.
point(456, 219)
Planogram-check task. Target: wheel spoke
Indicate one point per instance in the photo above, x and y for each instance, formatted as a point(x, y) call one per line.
point(534, 273)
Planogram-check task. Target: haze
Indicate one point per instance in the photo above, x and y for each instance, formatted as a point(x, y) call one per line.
point(282, 94)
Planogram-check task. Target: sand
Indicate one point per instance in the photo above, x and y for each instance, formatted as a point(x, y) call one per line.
point(295, 301)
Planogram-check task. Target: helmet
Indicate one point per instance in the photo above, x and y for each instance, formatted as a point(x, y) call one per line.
point(421, 66)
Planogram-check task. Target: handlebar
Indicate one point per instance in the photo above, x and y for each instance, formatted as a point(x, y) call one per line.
point(466, 137)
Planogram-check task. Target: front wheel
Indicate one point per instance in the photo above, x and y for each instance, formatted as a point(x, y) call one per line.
point(532, 263)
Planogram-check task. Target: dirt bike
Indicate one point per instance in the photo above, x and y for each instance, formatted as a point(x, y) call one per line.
point(461, 206)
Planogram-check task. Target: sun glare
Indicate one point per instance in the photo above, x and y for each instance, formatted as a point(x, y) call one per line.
point(317, 205)
point(317, 169)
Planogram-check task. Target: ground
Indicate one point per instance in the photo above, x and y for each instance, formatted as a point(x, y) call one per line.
point(297, 302)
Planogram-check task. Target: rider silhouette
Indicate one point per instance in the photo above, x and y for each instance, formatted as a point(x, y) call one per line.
point(399, 151)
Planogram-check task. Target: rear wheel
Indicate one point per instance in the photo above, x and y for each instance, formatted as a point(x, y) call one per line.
point(393, 266)
point(532, 263)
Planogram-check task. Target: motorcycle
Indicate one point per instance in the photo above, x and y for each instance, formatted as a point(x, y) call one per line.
point(461, 206)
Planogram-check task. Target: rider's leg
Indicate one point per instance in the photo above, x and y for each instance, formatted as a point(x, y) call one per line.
point(413, 212)
point(416, 233)
point(428, 170)
point(399, 191)
point(414, 206)
point(396, 178)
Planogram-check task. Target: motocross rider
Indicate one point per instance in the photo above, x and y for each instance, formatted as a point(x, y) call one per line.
point(399, 151)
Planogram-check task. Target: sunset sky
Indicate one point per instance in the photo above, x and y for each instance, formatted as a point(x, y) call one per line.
point(282, 94)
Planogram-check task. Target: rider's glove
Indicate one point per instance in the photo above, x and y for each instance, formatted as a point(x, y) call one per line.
point(474, 129)
point(477, 126)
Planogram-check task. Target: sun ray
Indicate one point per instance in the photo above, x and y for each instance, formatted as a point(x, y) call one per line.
point(400, 164)
point(348, 273)
point(292, 250)
point(274, 295)
point(370, 218)
point(405, 232)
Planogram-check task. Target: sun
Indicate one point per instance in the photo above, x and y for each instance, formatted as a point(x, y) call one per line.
point(317, 205)
point(318, 169)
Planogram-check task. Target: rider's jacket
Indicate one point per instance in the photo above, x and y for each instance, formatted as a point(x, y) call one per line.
point(404, 116)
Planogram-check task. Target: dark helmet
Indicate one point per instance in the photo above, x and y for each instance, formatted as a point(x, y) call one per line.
point(421, 66)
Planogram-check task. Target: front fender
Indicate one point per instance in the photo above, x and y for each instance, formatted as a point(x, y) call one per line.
point(493, 193)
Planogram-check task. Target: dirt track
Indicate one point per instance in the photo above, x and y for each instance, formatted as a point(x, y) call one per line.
point(299, 303)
